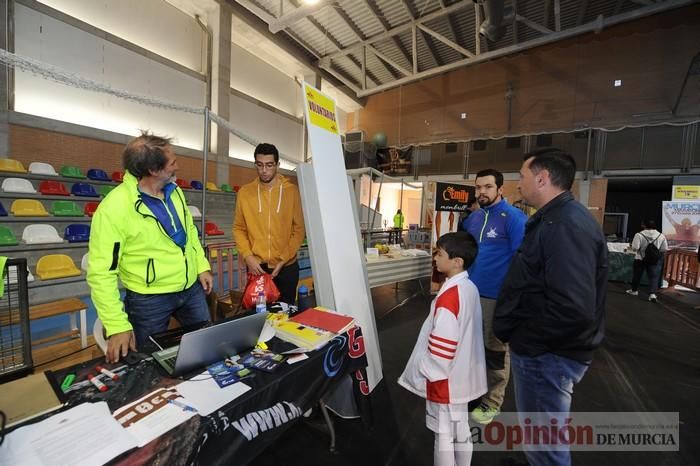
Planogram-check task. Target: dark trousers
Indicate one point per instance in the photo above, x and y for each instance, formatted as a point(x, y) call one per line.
point(286, 281)
point(653, 274)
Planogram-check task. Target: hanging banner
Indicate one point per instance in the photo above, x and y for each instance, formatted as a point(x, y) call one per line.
point(450, 201)
point(681, 224)
point(686, 193)
point(453, 197)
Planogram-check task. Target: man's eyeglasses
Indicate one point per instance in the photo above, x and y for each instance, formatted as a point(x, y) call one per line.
point(265, 165)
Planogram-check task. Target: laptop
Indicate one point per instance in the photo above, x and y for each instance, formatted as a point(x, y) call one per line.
point(207, 345)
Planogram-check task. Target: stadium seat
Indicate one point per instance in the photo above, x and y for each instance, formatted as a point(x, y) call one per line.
point(90, 208)
point(41, 168)
point(40, 234)
point(56, 266)
point(98, 175)
point(53, 188)
point(77, 233)
point(104, 190)
point(84, 262)
point(117, 176)
point(212, 229)
point(18, 185)
point(28, 208)
point(194, 210)
point(7, 238)
point(226, 188)
point(182, 183)
point(70, 171)
point(66, 209)
point(11, 165)
point(194, 184)
point(236, 188)
point(84, 190)
point(3, 212)
point(212, 187)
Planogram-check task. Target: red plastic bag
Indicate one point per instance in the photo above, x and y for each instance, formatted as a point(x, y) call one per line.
point(256, 284)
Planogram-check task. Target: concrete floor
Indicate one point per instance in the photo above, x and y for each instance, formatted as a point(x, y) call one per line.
point(650, 361)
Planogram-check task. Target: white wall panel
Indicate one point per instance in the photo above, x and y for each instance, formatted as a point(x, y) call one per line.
point(46, 39)
point(265, 126)
point(258, 79)
point(152, 24)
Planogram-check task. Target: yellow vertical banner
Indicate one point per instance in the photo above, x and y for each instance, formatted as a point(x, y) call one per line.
point(321, 110)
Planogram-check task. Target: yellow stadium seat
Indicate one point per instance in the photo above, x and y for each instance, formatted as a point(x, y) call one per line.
point(212, 187)
point(28, 208)
point(308, 281)
point(10, 165)
point(56, 266)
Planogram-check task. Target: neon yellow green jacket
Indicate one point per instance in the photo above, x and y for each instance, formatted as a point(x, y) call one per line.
point(126, 242)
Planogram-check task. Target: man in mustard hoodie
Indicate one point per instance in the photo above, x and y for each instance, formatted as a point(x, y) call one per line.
point(269, 225)
point(143, 234)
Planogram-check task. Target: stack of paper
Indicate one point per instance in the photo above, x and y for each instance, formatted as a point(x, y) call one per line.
point(304, 337)
point(324, 319)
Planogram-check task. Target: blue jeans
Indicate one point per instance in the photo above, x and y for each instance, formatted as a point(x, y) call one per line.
point(150, 313)
point(544, 384)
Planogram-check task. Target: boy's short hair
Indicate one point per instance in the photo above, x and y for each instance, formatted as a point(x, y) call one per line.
point(459, 244)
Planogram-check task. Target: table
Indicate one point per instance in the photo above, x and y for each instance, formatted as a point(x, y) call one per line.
point(238, 431)
point(391, 269)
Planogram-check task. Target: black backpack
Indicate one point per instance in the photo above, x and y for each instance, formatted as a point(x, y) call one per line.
point(652, 255)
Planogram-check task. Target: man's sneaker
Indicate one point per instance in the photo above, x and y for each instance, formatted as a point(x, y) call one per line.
point(483, 414)
point(632, 292)
point(652, 298)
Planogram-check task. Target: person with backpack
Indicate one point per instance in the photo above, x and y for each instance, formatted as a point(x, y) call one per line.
point(648, 246)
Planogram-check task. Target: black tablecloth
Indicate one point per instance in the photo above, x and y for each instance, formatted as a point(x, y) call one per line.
point(238, 431)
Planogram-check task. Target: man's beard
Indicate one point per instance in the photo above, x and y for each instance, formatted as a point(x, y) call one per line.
point(487, 202)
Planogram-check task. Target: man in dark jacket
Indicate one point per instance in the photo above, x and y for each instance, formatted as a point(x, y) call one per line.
point(552, 304)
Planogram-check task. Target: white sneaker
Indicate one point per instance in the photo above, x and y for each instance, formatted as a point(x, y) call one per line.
point(632, 292)
point(652, 298)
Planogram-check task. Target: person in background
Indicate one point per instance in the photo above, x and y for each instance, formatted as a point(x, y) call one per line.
point(641, 241)
point(498, 228)
point(143, 234)
point(399, 220)
point(268, 224)
point(551, 308)
point(447, 365)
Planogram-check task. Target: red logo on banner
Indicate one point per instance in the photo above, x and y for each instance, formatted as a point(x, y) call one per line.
point(356, 347)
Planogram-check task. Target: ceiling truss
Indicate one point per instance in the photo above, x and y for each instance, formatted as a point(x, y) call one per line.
point(444, 34)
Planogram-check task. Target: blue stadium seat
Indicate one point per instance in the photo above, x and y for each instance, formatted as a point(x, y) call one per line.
point(98, 175)
point(84, 189)
point(194, 184)
point(3, 212)
point(77, 233)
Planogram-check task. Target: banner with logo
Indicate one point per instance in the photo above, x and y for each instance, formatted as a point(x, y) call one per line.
point(681, 224)
point(451, 200)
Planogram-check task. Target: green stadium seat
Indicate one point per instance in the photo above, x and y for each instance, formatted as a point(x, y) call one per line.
point(70, 171)
point(226, 188)
point(7, 238)
point(66, 209)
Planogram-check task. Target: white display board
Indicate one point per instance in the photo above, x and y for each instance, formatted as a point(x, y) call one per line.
point(338, 260)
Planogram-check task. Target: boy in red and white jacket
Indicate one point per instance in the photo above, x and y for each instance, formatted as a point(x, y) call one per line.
point(447, 365)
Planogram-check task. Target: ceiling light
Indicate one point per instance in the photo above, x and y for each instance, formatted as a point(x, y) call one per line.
point(463, 116)
point(617, 83)
point(310, 2)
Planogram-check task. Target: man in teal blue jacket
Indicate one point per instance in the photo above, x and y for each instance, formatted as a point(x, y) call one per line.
point(498, 228)
point(143, 234)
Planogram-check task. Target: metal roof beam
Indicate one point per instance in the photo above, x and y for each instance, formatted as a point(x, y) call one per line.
point(401, 29)
point(301, 12)
point(380, 55)
point(372, 6)
point(533, 25)
point(360, 35)
point(593, 26)
point(450, 23)
point(427, 39)
point(446, 41)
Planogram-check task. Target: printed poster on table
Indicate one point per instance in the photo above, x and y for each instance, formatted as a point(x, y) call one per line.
point(451, 200)
point(681, 224)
